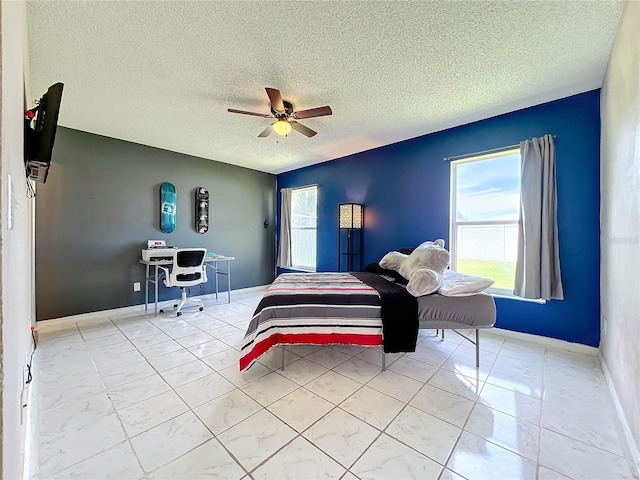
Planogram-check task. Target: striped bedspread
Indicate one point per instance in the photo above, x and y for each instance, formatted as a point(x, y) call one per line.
point(313, 308)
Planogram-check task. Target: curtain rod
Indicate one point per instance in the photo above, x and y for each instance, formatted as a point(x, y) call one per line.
point(303, 186)
point(483, 152)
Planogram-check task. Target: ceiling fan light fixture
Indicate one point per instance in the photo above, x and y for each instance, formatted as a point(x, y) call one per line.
point(285, 115)
point(282, 127)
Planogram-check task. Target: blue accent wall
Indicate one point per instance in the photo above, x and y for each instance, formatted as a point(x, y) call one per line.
point(405, 190)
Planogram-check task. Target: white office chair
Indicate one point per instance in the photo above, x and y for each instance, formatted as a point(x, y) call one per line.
point(187, 270)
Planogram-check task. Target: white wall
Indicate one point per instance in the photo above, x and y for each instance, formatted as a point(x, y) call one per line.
point(17, 245)
point(620, 216)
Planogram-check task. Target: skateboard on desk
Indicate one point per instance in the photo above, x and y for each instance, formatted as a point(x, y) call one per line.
point(167, 207)
point(202, 210)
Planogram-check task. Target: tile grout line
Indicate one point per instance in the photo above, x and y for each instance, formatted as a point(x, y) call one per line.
point(542, 392)
point(462, 429)
point(189, 409)
point(126, 433)
point(381, 431)
point(266, 407)
point(172, 388)
point(335, 406)
point(438, 368)
point(114, 411)
point(384, 431)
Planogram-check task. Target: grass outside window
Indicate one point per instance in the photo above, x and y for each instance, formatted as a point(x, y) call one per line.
point(503, 272)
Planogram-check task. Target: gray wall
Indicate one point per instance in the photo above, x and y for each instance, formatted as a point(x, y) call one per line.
point(101, 204)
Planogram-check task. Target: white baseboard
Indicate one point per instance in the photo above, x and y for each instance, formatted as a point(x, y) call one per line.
point(584, 349)
point(64, 322)
point(631, 443)
point(546, 341)
point(259, 288)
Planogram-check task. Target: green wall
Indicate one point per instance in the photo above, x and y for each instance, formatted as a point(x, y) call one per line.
point(101, 204)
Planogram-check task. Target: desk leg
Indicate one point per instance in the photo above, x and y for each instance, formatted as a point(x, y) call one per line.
point(155, 312)
point(146, 288)
point(216, 268)
point(229, 281)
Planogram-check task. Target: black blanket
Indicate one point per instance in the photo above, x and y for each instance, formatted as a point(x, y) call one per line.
point(399, 313)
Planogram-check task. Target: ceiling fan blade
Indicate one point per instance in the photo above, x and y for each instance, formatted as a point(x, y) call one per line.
point(275, 98)
point(263, 115)
point(313, 112)
point(266, 132)
point(298, 127)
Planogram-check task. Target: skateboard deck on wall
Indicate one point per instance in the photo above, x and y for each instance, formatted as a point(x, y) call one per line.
point(202, 210)
point(167, 207)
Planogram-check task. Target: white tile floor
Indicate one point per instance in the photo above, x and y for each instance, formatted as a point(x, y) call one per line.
point(131, 397)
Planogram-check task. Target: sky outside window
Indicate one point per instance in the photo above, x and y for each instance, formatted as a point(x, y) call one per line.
point(488, 190)
point(304, 207)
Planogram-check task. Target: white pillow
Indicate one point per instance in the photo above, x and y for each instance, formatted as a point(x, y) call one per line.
point(456, 284)
point(423, 282)
point(393, 260)
point(428, 255)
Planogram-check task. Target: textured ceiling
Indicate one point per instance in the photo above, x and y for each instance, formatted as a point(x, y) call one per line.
point(164, 73)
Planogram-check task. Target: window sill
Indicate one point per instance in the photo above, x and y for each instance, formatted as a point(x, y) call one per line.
point(303, 269)
point(514, 297)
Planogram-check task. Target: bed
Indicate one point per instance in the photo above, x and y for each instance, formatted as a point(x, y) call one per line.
point(356, 308)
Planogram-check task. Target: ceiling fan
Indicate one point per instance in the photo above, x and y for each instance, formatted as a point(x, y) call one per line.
point(285, 115)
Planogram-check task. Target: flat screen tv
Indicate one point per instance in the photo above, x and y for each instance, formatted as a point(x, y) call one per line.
point(40, 132)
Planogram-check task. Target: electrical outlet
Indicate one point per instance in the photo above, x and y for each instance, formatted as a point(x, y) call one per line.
point(604, 324)
point(136, 286)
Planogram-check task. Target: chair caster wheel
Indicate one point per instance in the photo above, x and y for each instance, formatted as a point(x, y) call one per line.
point(201, 308)
point(178, 314)
point(175, 305)
point(161, 310)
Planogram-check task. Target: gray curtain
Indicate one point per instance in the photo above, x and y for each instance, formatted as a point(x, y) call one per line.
point(538, 265)
point(284, 252)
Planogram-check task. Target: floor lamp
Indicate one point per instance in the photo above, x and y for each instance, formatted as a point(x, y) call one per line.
point(350, 220)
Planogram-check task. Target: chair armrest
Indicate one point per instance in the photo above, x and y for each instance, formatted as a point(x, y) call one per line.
point(164, 269)
point(166, 272)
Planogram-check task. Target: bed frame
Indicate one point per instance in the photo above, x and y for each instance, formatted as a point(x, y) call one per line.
point(476, 342)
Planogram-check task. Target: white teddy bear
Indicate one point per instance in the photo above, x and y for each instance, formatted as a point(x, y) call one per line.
point(423, 268)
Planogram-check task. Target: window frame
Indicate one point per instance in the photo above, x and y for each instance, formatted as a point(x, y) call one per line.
point(305, 268)
point(454, 223)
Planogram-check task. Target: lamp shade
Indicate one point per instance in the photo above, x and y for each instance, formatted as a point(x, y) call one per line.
point(282, 127)
point(350, 215)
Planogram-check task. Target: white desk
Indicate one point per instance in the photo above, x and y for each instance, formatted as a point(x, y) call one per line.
point(209, 261)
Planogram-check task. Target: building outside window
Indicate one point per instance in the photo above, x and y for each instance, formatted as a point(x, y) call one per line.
point(304, 221)
point(485, 204)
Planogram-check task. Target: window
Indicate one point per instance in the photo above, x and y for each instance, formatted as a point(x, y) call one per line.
point(485, 206)
point(304, 220)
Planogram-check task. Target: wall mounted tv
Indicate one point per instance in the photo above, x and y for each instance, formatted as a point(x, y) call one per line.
point(40, 132)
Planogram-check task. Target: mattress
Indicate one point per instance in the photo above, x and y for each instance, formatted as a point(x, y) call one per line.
point(344, 308)
point(313, 308)
point(474, 311)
